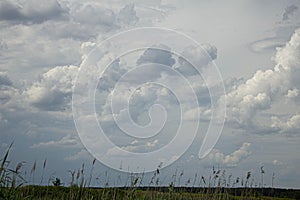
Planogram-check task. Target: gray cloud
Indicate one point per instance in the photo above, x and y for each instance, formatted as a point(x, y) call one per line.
point(202, 56)
point(7, 90)
point(127, 15)
point(266, 44)
point(157, 54)
point(105, 19)
point(53, 92)
point(37, 35)
point(111, 76)
point(289, 11)
point(32, 11)
point(9, 11)
point(93, 14)
point(4, 79)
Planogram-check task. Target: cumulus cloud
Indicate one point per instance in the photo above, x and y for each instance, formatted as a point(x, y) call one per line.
point(32, 11)
point(97, 15)
point(267, 87)
point(201, 55)
point(232, 159)
point(157, 54)
point(53, 91)
point(293, 93)
point(291, 124)
point(140, 100)
point(111, 76)
point(139, 104)
point(86, 48)
point(93, 14)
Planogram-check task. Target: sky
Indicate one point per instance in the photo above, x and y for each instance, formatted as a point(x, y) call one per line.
point(147, 73)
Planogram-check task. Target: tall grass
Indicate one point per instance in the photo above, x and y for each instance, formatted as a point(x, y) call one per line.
point(10, 179)
point(218, 185)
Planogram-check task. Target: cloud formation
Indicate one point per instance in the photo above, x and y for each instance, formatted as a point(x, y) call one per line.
point(157, 54)
point(93, 14)
point(290, 125)
point(67, 141)
point(7, 90)
point(203, 55)
point(127, 15)
point(42, 42)
point(53, 91)
point(266, 88)
point(232, 159)
point(4, 79)
point(31, 11)
point(289, 11)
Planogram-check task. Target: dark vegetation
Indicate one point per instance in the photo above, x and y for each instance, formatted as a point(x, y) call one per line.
point(217, 186)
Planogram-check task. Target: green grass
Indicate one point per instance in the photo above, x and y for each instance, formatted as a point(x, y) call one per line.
point(13, 187)
point(64, 193)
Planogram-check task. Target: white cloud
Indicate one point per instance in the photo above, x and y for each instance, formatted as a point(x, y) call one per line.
point(36, 47)
point(93, 14)
point(232, 159)
point(54, 90)
point(152, 144)
point(277, 162)
point(136, 147)
point(67, 141)
point(82, 154)
point(37, 35)
point(292, 93)
point(103, 17)
point(291, 124)
point(265, 88)
point(86, 48)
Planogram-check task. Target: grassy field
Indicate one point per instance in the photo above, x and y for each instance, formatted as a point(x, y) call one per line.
point(14, 186)
point(60, 193)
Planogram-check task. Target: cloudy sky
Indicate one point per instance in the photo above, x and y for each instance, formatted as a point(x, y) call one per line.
point(255, 45)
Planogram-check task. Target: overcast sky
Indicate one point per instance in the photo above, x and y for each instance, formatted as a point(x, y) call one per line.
point(254, 44)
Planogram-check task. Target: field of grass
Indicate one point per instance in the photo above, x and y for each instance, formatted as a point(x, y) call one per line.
point(14, 186)
point(61, 193)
